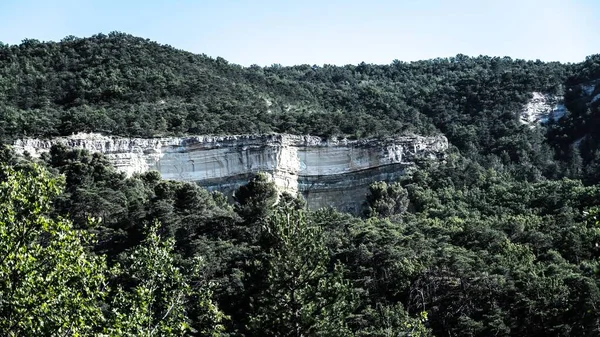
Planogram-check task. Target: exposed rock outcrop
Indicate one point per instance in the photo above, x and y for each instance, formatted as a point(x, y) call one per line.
point(333, 172)
point(543, 107)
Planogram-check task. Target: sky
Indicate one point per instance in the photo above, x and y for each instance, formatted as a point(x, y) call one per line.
point(289, 32)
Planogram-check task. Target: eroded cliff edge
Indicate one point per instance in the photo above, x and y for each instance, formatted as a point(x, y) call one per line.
point(334, 172)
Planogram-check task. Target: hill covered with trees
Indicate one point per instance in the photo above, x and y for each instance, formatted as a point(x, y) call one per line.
point(123, 85)
point(499, 239)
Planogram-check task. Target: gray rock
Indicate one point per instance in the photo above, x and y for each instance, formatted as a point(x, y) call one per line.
point(333, 172)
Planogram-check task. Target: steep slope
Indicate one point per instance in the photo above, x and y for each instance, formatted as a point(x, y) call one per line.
point(333, 173)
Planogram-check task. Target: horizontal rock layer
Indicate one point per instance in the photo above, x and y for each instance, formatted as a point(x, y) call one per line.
point(334, 172)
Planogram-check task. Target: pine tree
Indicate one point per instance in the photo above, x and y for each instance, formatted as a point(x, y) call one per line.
point(304, 295)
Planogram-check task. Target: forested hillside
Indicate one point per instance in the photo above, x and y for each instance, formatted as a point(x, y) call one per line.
point(500, 239)
point(124, 85)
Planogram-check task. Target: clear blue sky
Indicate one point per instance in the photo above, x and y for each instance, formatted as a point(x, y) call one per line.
point(290, 32)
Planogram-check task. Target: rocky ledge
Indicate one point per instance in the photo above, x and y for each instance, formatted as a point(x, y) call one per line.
point(333, 172)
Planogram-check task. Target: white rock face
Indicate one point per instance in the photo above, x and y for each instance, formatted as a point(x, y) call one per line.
point(328, 173)
point(541, 108)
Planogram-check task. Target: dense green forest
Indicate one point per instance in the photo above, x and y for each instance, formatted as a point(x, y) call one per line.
point(502, 238)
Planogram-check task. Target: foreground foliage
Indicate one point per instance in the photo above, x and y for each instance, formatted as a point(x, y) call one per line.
point(52, 285)
point(453, 249)
point(49, 285)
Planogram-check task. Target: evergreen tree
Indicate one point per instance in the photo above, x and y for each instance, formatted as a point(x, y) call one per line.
point(386, 199)
point(153, 295)
point(304, 295)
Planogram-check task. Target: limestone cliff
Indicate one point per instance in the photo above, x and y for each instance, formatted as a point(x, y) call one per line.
point(333, 172)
